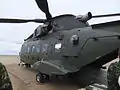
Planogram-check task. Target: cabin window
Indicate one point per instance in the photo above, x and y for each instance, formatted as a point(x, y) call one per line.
point(28, 49)
point(45, 48)
point(38, 49)
point(33, 49)
point(24, 48)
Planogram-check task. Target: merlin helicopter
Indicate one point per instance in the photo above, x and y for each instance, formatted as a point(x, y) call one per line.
point(65, 44)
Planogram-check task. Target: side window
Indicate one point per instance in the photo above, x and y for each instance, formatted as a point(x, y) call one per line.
point(24, 48)
point(28, 49)
point(45, 48)
point(33, 49)
point(38, 49)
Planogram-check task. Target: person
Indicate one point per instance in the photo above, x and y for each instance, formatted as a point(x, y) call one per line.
point(5, 82)
point(112, 76)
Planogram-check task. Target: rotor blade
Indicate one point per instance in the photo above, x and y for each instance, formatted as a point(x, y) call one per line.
point(43, 5)
point(107, 15)
point(7, 20)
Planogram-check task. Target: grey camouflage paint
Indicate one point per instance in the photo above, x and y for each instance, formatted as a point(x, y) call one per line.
point(112, 76)
point(5, 82)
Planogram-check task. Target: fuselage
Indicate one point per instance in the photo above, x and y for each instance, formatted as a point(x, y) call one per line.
point(57, 51)
point(93, 44)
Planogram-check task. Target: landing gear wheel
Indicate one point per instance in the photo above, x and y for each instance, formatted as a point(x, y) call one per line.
point(41, 78)
point(60, 78)
point(27, 65)
point(47, 77)
point(20, 63)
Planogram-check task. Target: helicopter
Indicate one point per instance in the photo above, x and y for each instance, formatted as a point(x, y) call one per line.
point(65, 44)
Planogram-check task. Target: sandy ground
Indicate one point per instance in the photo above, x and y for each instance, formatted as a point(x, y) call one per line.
point(9, 59)
point(17, 83)
point(24, 79)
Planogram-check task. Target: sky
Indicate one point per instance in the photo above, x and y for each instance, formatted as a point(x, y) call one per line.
point(27, 9)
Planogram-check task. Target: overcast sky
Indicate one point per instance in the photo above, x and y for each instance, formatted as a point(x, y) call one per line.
point(10, 33)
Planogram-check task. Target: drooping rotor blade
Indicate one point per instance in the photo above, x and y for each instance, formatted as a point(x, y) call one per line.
point(107, 15)
point(43, 5)
point(7, 20)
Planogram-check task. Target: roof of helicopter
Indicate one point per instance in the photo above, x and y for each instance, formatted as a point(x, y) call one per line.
point(52, 19)
point(110, 23)
point(63, 15)
point(106, 24)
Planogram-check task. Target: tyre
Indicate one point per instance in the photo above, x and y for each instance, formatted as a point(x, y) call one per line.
point(47, 77)
point(27, 65)
point(41, 78)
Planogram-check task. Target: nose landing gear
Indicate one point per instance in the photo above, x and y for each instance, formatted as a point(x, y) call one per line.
point(41, 78)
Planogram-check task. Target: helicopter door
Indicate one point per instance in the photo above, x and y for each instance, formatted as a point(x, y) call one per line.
point(36, 52)
point(24, 53)
point(45, 49)
point(29, 49)
point(33, 54)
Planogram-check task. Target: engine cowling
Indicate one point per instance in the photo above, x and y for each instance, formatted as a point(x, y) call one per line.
point(84, 18)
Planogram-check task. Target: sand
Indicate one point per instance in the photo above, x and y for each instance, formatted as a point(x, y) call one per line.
point(9, 59)
point(24, 79)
